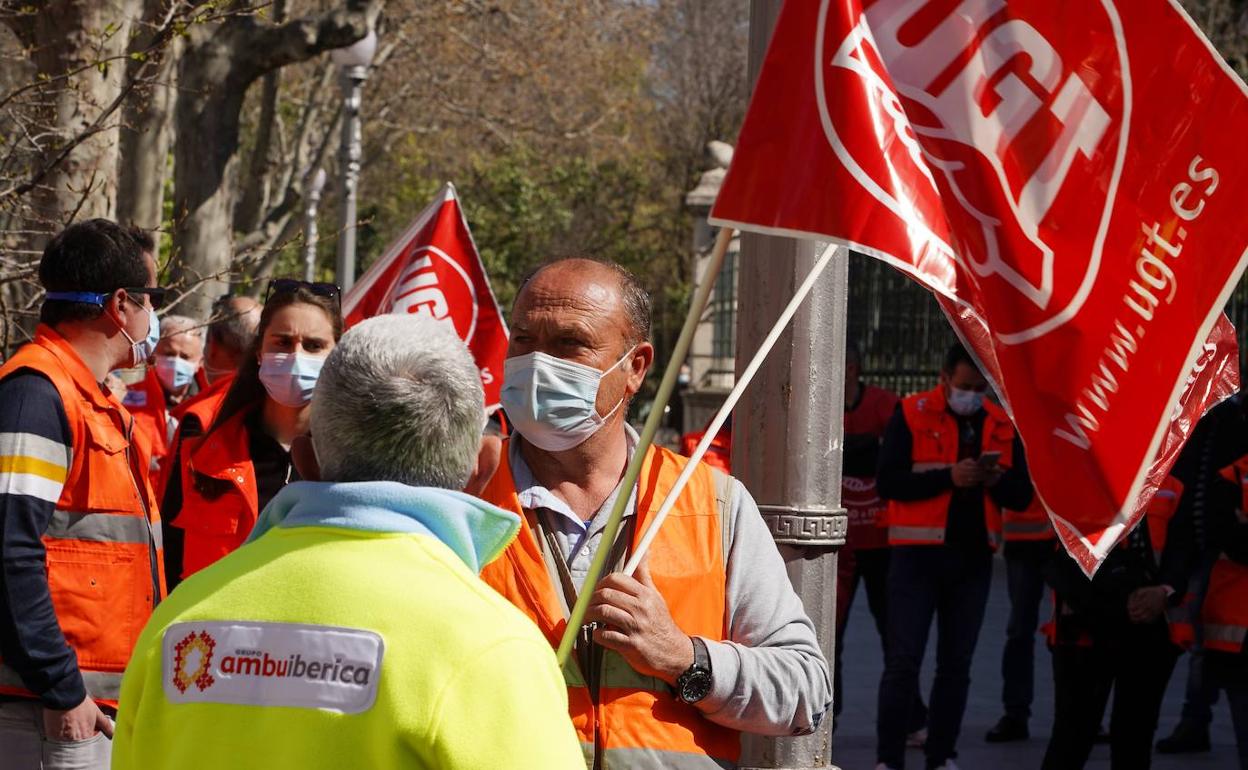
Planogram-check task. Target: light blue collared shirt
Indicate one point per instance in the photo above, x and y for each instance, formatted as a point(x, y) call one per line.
point(578, 539)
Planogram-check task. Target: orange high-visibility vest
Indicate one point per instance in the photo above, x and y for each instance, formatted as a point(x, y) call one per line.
point(205, 404)
point(151, 427)
point(146, 399)
point(718, 453)
point(1157, 516)
point(220, 502)
point(1031, 524)
point(637, 720)
point(1224, 614)
point(1160, 511)
point(934, 444)
point(104, 559)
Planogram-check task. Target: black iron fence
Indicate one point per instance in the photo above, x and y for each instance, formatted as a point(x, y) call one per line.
point(897, 325)
point(903, 335)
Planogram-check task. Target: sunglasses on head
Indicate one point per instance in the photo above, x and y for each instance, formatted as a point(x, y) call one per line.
point(288, 285)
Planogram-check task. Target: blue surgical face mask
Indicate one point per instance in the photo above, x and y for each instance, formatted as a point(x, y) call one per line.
point(552, 402)
point(174, 373)
point(290, 378)
point(964, 402)
point(142, 350)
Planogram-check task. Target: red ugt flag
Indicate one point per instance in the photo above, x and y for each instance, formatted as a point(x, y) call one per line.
point(1068, 176)
point(434, 268)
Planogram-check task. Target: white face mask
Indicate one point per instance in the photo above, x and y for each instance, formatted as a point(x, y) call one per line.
point(964, 402)
point(142, 350)
point(552, 402)
point(174, 373)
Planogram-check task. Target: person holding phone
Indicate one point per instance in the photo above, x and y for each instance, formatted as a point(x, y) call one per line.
point(949, 463)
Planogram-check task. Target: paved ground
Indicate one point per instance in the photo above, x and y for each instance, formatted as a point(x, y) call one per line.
point(855, 736)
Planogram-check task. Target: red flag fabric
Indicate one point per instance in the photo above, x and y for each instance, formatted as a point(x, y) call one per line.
point(1066, 175)
point(434, 268)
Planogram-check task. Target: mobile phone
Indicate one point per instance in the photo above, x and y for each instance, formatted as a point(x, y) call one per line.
point(989, 460)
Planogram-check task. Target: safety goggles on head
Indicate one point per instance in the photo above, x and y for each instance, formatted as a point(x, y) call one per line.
point(154, 293)
point(287, 285)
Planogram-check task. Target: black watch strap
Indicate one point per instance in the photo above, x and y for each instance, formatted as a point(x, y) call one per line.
point(701, 655)
point(695, 684)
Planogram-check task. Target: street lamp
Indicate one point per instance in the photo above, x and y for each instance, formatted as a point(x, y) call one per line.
point(315, 182)
point(353, 61)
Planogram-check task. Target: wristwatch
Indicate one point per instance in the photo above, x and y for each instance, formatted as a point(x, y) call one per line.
point(695, 683)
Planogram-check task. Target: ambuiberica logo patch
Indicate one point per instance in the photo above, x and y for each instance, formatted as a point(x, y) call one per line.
point(272, 664)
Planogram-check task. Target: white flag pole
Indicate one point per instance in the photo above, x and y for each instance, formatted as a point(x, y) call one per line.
point(742, 383)
point(633, 470)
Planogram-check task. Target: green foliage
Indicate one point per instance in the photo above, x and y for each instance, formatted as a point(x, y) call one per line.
point(525, 209)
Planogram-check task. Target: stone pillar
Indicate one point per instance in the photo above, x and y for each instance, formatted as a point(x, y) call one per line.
point(788, 429)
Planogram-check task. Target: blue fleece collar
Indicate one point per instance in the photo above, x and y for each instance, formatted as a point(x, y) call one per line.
point(475, 530)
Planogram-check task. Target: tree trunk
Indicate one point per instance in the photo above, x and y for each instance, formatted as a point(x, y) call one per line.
point(147, 130)
point(257, 182)
point(85, 38)
point(219, 64)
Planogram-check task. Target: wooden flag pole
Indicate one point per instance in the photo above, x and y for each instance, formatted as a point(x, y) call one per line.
point(743, 382)
point(696, 307)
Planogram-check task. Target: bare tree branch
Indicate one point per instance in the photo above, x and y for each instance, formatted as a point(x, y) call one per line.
point(272, 47)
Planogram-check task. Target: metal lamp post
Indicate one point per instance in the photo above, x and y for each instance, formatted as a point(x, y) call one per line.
point(353, 61)
point(312, 198)
point(794, 410)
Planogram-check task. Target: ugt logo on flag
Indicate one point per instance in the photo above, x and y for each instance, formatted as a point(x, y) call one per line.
point(434, 269)
point(1001, 130)
point(1065, 175)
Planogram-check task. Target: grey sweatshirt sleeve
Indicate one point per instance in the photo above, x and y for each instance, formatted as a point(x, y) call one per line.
point(770, 677)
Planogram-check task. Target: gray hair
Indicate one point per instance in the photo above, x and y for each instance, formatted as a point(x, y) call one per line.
point(180, 325)
point(173, 325)
point(399, 399)
point(234, 322)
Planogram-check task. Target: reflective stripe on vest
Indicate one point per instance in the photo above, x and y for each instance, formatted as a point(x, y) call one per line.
point(102, 685)
point(639, 719)
point(902, 535)
point(102, 528)
point(656, 759)
point(1029, 525)
point(103, 551)
point(1224, 613)
point(1182, 632)
point(1015, 529)
point(1228, 638)
point(934, 446)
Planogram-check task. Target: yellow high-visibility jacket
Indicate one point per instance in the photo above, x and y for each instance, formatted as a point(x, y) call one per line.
point(354, 633)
